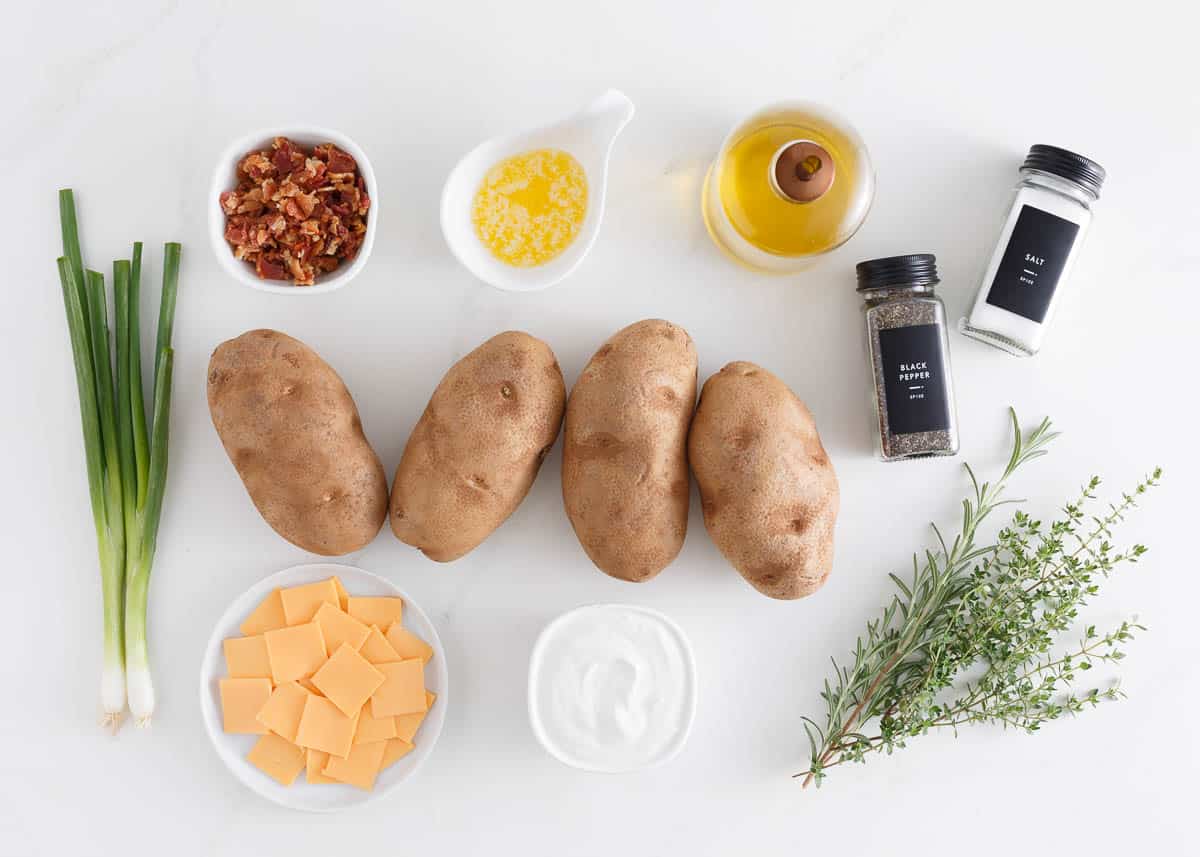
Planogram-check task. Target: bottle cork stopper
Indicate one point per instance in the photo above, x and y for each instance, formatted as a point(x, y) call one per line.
point(803, 171)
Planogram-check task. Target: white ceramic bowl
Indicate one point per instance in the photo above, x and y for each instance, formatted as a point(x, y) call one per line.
point(225, 178)
point(536, 674)
point(233, 748)
point(587, 135)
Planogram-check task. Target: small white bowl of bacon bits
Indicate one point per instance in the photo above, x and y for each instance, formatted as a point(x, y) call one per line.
point(293, 210)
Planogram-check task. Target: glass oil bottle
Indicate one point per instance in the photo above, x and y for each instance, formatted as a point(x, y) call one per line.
point(789, 184)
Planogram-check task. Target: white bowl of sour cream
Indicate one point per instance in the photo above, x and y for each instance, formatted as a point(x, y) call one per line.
point(612, 688)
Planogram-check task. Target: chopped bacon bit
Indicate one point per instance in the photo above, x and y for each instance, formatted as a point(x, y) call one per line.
point(295, 215)
point(237, 231)
point(229, 202)
point(282, 156)
point(298, 272)
point(270, 270)
point(307, 203)
point(256, 166)
point(339, 161)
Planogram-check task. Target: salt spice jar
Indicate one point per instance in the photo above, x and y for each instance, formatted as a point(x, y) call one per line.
point(1046, 223)
point(909, 351)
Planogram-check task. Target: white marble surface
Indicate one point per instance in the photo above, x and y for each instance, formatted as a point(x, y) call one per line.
point(129, 104)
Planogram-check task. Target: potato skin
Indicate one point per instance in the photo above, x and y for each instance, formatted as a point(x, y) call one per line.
point(625, 476)
point(768, 490)
point(477, 448)
point(291, 429)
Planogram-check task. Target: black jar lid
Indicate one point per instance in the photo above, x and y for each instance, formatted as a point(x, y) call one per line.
point(915, 269)
point(1066, 164)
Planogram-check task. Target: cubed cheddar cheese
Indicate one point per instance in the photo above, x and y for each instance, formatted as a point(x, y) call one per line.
point(339, 627)
point(267, 616)
point(324, 727)
point(279, 759)
point(372, 729)
point(347, 680)
point(314, 763)
point(377, 649)
point(408, 724)
point(402, 691)
point(397, 749)
point(246, 657)
point(281, 712)
point(407, 644)
point(360, 768)
point(381, 612)
point(241, 699)
point(296, 652)
point(300, 603)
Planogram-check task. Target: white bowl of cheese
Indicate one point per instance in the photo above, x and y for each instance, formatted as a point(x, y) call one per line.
point(231, 683)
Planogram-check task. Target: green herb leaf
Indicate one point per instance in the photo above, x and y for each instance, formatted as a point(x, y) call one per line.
point(994, 612)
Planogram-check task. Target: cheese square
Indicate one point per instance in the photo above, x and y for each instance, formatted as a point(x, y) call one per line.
point(241, 698)
point(408, 724)
point(347, 680)
point(372, 729)
point(281, 713)
point(280, 760)
point(324, 727)
point(246, 657)
point(377, 649)
point(402, 691)
point(360, 768)
point(338, 627)
point(343, 595)
point(381, 612)
point(267, 616)
point(300, 603)
point(407, 644)
point(314, 763)
point(397, 749)
point(295, 652)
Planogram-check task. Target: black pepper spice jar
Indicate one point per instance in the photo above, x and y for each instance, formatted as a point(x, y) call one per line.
point(908, 348)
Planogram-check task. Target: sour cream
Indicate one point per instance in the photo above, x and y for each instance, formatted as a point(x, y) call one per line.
point(612, 688)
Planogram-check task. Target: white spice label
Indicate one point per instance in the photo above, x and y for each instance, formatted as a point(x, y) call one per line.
point(914, 379)
point(1033, 261)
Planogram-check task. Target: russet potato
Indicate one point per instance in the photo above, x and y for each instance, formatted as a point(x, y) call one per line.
point(625, 473)
point(477, 448)
point(291, 429)
point(768, 490)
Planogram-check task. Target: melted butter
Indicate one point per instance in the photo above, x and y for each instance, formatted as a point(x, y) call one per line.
point(531, 206)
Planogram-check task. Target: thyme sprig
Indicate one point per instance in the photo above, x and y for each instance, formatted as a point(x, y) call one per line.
point(973, 635)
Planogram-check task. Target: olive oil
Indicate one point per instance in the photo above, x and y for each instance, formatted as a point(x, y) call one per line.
point(530, 206)
point(790, 183)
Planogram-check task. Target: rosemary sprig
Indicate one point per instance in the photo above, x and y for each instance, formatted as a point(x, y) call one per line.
point(995, 612)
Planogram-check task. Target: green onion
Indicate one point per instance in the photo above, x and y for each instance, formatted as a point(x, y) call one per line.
point(112, 560)
point(126, 465)
point(137, 406)
point(149, 510)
